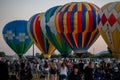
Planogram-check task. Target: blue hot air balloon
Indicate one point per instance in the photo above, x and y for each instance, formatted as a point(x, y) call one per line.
point(16, 36)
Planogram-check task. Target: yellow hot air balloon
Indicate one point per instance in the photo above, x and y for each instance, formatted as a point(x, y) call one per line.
point(109, 26)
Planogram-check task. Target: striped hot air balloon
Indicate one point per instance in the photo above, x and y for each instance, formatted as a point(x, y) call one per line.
point(36, 34)
point(16, 36)
point(109, 26)
point(76, 24)
point(48, 27)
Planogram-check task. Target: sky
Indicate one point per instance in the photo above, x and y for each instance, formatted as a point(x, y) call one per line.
point(24, 9)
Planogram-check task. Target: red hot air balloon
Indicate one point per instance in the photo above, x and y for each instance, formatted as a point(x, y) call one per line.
point(36, 34)
point(76, 24)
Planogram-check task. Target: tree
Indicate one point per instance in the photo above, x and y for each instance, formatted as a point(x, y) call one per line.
point(41, 56)
point(105, 56)
point(88, 55)
point(84, 55)
point(78, 55)
point(71, 56)
point(2, 54)
point(37, 54)
point(55, 56)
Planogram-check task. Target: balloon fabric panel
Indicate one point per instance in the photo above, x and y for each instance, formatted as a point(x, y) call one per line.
point(30, 30)
point(38, 33)
point(31, 27)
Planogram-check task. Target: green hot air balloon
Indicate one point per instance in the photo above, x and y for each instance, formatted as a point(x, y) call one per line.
point(16, 36)
point(48, 27)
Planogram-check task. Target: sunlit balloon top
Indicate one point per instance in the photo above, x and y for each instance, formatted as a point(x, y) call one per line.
point(76, 23)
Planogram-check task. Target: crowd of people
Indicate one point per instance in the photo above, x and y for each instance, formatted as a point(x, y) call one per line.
point(60, 69)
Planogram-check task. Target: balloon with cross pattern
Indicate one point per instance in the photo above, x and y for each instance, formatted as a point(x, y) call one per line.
point(16, 36)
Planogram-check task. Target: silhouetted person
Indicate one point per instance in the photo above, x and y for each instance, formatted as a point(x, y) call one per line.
point(22, 71)
point(88, 71)
point(75, 75)
point(81, 65)
point(4, 75)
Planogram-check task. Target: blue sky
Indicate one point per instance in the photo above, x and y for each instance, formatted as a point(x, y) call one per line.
point(23, 9)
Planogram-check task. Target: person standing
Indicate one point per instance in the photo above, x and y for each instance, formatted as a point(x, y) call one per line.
point(38, 69)
point(22, 71)
point(116, 74)
point(75, 75)
point(63, 71)
point(53, 71)
point(81, 66)
point(4, 74)
point(46, 70)
point(17, 68)
point(88, 71)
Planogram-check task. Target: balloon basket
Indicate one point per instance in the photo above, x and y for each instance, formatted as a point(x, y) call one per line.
point(46, 56)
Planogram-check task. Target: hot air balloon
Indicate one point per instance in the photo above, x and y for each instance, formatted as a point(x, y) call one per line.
point(36, 34)
point(76, 23)
point(48, 27)
point(16, 36)
point(109, 26)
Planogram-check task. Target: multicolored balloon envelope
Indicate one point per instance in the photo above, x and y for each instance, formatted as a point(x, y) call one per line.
point(109, 26)
point(76, 24)
point(16, 36)
point(36, 34)
point(48, 27)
